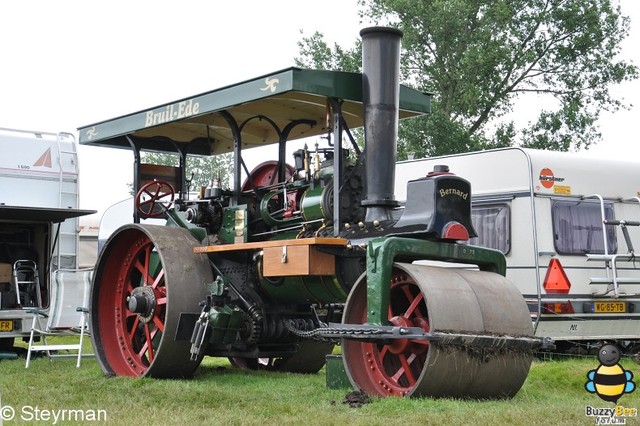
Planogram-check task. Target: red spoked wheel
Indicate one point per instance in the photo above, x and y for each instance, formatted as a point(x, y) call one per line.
point(395, 368)
point(154, 198)
point(441, 300)
point(146, 277)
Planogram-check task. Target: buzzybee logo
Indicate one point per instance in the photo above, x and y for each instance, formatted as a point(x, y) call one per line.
point(609, 381)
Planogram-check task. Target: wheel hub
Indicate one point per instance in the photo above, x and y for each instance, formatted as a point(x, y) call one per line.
point(398, 346)
point(143, 302)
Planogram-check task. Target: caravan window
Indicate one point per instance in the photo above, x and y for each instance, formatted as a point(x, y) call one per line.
point(493, 225)
point(577, 227)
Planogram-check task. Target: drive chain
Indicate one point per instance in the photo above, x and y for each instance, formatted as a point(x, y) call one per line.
point(315, 334)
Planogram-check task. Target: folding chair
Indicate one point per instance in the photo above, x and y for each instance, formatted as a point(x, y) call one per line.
point(66, 316)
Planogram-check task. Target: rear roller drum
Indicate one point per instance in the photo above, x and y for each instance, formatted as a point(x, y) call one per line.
point(445, 300)
point(145, 278)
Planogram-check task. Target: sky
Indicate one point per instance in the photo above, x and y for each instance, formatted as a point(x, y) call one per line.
point(70, 63)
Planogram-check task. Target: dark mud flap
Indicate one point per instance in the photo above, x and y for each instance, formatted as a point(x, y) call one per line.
point(336, 376)
point(186, 324)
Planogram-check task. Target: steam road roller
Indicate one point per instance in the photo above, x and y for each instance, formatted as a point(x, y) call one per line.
point(275, 267)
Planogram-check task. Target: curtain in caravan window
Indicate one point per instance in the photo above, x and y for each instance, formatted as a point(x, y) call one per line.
point(577, 227)
point(492, 223)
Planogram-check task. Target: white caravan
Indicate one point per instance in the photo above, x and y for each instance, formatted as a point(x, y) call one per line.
point(38, 222)
point(568, 226)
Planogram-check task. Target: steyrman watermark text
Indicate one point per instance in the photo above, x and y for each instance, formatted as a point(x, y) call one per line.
point(28, 413)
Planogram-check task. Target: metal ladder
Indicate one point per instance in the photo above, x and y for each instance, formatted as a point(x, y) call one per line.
point(68, 198)
point(25, 277)
point(612, 279)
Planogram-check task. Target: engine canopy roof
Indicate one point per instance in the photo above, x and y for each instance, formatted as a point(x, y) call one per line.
point(200, 124)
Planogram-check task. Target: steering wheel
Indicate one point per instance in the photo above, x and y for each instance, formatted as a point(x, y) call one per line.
point(154, 198)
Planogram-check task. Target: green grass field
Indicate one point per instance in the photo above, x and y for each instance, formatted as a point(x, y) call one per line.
point(553, 394)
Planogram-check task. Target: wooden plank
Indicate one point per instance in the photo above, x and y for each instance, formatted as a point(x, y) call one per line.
point(259, 245)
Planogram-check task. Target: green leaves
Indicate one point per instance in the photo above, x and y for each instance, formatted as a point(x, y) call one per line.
point(317, 54)
point(200, 170)
point(487, 60)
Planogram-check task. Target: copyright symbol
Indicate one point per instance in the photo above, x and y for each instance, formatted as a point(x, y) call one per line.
point(7, 413)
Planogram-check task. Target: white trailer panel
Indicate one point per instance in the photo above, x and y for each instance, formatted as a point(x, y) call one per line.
point(544, 209)
point(38, 221)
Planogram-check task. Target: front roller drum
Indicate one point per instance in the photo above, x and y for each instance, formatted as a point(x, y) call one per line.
point(440, 300)
point(145, 278)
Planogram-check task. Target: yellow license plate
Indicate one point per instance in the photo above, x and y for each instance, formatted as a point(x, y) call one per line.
point(610, 307)
point(6, 325)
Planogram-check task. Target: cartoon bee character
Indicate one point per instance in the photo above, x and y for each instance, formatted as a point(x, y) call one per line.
point(609, 381)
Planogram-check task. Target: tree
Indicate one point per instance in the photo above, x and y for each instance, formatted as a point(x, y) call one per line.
point(200, 170)
point(482, 58)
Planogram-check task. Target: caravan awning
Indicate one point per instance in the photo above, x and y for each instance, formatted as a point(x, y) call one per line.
point(202, 121)
point(39, 214)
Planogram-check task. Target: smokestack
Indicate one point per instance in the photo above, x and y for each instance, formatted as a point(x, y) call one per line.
point(381, 97)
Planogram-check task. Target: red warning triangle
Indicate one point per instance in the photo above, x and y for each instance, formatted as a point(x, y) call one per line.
point(556, 281)
point(44, 160)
